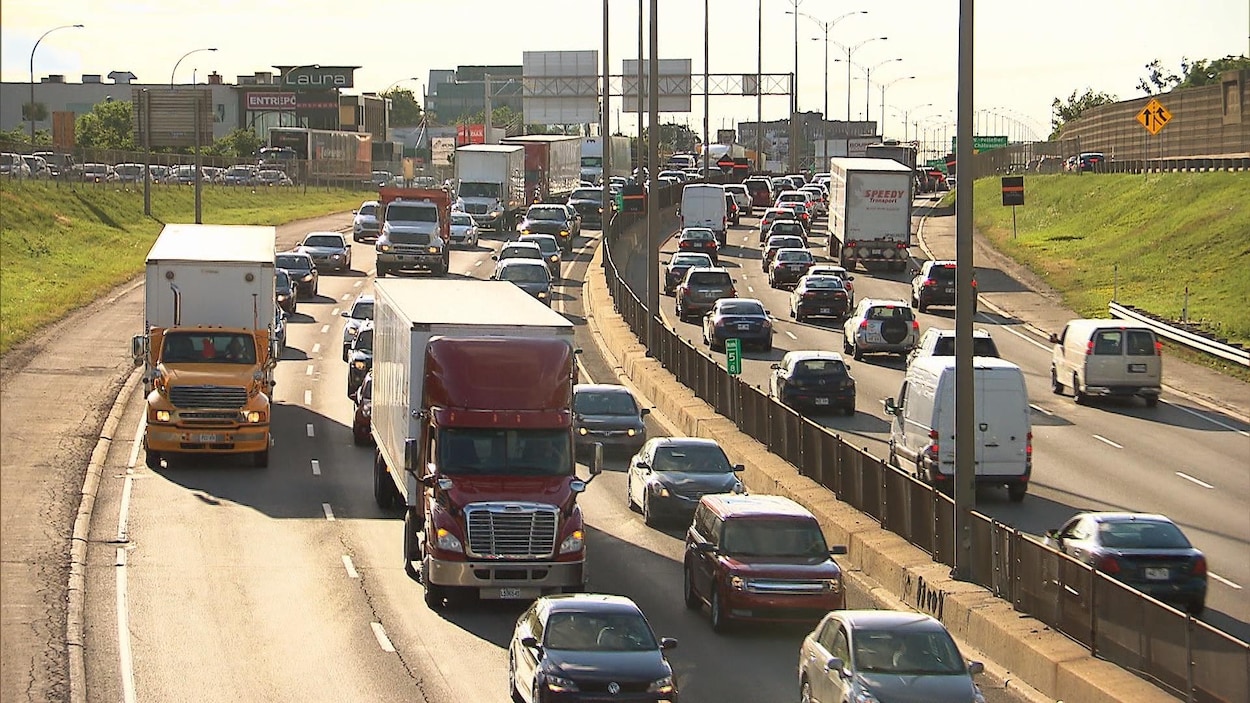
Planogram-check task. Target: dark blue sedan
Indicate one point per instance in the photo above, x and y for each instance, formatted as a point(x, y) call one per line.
point(741, 318)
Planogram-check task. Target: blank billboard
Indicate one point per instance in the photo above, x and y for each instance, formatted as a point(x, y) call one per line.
point(674, 75)
point(561, 87)
point(170, 116)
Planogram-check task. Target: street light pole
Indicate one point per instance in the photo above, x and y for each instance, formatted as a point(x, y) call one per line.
point(851, 50)
point(883, 88)
point(759, 89)
point(179, 61)
point(868, 87)
point(824, 28)
point(31, 114)
point(794, 95)
point(706, 117)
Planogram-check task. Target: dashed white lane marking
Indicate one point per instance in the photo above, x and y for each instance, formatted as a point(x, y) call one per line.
point(307, 397)
point(380, 633)
point(1100, 438)
point(1200, 482)
point(325, 328)
point(477, 263)
point(351, 568)
point(750, 289)
point(1212, 420)
point(123, 631)
point(1224, 581)
point(310, 429)
point(357, 284)
point(308, 371)
point(329, 513)
point(1040, 409)
point(316, 348)
point(791, 335)
point(371, 273)
point(346, 296)
point(316, 467)
point(335, 312)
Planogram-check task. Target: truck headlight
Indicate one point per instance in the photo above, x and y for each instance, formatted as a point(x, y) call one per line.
point(162, 416)
point(631, 432)
point(573, 543)
point(433, 250)
point(582, 431)
point(384, 247)
point(360, 365)
point(253, 416)
point(447, 542)
point(737, 583)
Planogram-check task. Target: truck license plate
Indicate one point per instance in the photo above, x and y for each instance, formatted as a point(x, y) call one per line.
point(1157, 574)
point(509, 593)
point(1137, 368)
point(207, 438)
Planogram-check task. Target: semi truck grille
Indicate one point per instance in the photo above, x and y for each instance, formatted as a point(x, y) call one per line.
point(511, 530)
point(476, 208)
point(225, 397)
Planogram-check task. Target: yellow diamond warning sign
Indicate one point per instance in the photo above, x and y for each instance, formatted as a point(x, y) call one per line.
point(1154, 116)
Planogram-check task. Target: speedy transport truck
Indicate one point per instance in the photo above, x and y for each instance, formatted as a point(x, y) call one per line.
point(552, 165)
point(592, 157)
point(869, 212)
point(208, 349)
point(472, 416)
point(491, 180)
point(415, 231)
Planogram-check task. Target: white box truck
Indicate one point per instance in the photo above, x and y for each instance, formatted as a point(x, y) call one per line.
point(869, 212)
point(592, 157)
point(703, 205)
point(208, 348)
point(491, 182)
point(472, 416)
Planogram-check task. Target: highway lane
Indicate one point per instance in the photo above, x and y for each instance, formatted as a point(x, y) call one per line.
point(234, 583)
point(1176, 459)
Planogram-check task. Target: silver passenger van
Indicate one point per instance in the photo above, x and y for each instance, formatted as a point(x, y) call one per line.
point(1107, 358)
point(922, 432)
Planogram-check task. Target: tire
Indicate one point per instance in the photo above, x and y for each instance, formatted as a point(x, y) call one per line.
point(1016, 491)
point(381, 273)
point(1077, 393)
point(260, 459)
point(434, 595)
point(629, 494)
point(358, 441)
point(689, 595)
point(1196, 608)
point(921, 306)
point(914, 302)
point(857, 354)
point(846, 346)
point(719, 623)
point(849, 410)
point(513, 693)
point(648, 517)
point(152, 459)
point(1055, 386)
point(384, 493)
point(1152, 401)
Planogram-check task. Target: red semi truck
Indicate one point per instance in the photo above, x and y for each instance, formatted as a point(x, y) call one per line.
point(472, 415)
point(552, 166)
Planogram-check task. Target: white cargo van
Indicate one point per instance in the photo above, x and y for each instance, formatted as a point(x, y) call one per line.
point(922, 432)
point(1107, 357)
point(703, 205)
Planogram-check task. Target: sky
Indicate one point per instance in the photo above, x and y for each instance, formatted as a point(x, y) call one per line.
point(1026, 52)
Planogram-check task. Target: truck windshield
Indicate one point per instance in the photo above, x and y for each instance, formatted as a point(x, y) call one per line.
point(411, 213)
point(479, 190)
point(208, 348)
point(490, 452)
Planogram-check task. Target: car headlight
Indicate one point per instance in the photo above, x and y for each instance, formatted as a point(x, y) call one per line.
point(525, 230)
point(664, 685)
point(495, 213)
point(564, 233)
point(832, 585)
point(660, 490)
point(162, 416)
point(631, 432)
point(738, 487)
point(433, 250)
point(384, 247)
point(555, 258)
point(307, 277)
point(336, 257)
point(575, 542)
point(447, 542)
point(737, 583)
point(360, 365)
point(352, 331)
point(582, 431)
point(559, 684)
point(253, 416)
point(542, 294)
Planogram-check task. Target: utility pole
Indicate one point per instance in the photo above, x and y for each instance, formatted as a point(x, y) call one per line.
point(652, 195)
point(759, 88)
point(965, 411)
point(605, 134)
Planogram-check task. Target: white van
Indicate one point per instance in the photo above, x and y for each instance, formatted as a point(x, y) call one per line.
point(703, 205)
point(922, 432)
point(1107, 357)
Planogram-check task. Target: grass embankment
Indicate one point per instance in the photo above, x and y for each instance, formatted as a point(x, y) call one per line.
point(1139, 240)
point(61, 248)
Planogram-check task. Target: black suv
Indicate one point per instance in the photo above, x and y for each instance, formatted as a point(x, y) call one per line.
point(588, 202)
point(934, 284)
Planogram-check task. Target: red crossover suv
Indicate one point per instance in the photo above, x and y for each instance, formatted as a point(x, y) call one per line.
point(759, 557)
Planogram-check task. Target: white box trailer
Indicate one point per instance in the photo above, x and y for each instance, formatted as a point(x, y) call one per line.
point(223, 274)
point(870, 212)
point(490, 181)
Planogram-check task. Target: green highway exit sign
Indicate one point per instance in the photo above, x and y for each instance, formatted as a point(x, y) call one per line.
point(980, 144)
point(733, 356)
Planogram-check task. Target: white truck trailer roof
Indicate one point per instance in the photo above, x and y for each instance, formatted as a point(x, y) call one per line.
point(242, 243)
point(469, 303)
point(855, 163)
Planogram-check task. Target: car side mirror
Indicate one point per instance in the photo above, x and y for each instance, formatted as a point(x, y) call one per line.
point(835, 664)
point(837, 550)
point(494, 257)
point(890, 407)
point(345, 313)
point(668, 643)
point(529, 642)
point(1054, 338)
point(1053, 534)
point(975, 668)
point(739, 468)
point(138, 348)
point(644, 412)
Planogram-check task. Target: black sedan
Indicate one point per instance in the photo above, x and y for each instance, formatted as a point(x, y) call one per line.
point(329, 251)
point(588, 647)
point(699, 240)
point(817, 380)
point(1147, 552)
point(284, 291)
point(776, 243)
point(588, 202)
point(607, 414)
point(676, 268)
point(550, 219)
point(819, 296)
point(670, 475)
point(741, 318)
point(788, 266)
point(303, 272)
point(360, 358)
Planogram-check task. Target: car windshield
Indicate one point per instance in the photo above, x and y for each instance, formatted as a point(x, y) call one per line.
point(785, 243)
point(790, 227)
point(586, 194)
point(621, 631)
point(604, 403)
point(282, 280)
point(461, 220)
point(943, 273)
point(411, 213)
point(819, 367)
point(709, 278)
point(773, 538)
point(208, 348)
point(492, 452)
point(740, 307)
point(793, 256)
point(369, 210)
point(546, 244)
point(238, 171)
point(981, 346)
point(364, 341)
point(547, 213)
point(292, 262)
point(688, 260)
point(362, 310)
point(525, 274)
point(1141, 534)
point(515, 252)
point(698, 234)
point(333, 241)
point(691, 458)
point(906, 651)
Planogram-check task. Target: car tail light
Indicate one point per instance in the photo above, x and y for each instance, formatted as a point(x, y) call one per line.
point(974, 285)
point(809, 295)
point(1028, 445)
point(1109, 565)
point(863, 324)
point(1199, 567)
point(929, 283)
point(915, 326)
point(733, 292)
point(1089, 347)
point(900, 245)
point(1158, 348)
point(852, 244)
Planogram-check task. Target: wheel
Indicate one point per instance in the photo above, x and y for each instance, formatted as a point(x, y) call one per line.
point(358, 440)
point(384, 492)
point(914, 303)
point(152, 459)
point(857, 354)
point(648, 517)
point(1016, 491)
point(921, 306)
point(260, 459)
point(1077, 393)
point(381, 272)
point(849, 410)
point(434, 595)
point(719, 621)
point(892, 458)
point(1055, 386)
point(412, 543)
point(629, 494)
point(768, 346)
point(1151, 401)
point(512, 689)
point(846, 346)
point(691, 598)
point(1196, 608)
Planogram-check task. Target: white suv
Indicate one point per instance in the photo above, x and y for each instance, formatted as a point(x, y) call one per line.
point(742, 197)
point(880, 325)
point(941, 342)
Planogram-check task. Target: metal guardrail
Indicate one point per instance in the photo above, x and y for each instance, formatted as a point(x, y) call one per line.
point(1188, 658)
point(1198, 340)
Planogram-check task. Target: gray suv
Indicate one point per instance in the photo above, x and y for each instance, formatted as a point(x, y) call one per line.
point(700, 290)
